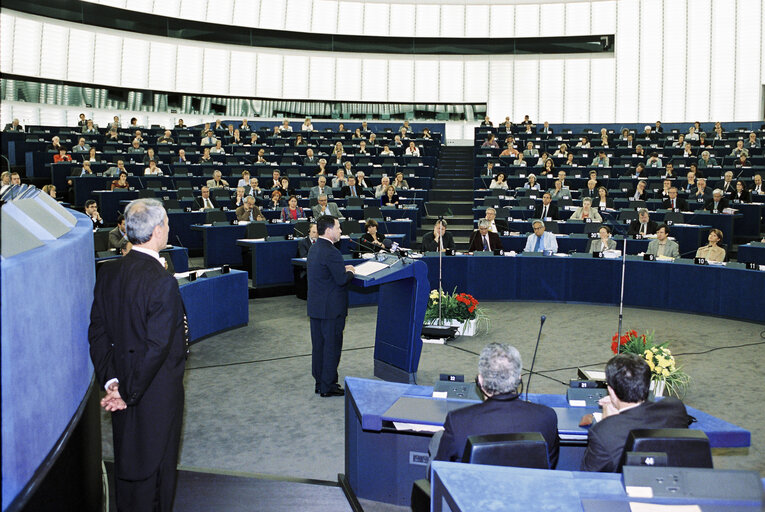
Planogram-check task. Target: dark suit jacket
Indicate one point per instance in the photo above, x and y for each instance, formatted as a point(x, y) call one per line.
point(201, 202)
point(731, 188)
point(585, 192)
point(476, 243)
point(679, 202)
point(606, 438)
point(643, 197)
point(552, 212)
point(501, 225)
point(500, 414)
point(303, 247)
point(745, 196)
point(634, 228)
point(327, 281)
point(137, 335)
point(429, 243)
point(115, 238)
point(346, 191)
point(710, 204)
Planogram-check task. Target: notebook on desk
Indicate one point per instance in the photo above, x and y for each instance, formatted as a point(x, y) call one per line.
point(429, 411)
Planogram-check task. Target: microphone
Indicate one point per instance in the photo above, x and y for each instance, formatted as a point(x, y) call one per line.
point(472, 237)
point(180, 244)
point(533, 359)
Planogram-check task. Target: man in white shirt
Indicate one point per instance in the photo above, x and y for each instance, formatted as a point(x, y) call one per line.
point(540, 240)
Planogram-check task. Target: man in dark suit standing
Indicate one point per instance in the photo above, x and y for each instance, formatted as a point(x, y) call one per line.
point(503, 412)
point(484, 239)
point(138, 346)
point(328, 279)
point(625, 408)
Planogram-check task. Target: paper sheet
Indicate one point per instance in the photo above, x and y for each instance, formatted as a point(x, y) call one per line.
point(654, 507)
point(369, 267)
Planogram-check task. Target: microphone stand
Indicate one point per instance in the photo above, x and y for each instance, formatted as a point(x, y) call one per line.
point(440, 266)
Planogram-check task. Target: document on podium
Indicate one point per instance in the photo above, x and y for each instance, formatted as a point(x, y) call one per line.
point(370, 267)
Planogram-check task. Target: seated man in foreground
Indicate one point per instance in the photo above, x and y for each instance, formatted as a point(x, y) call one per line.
point(503, 412)
point(626, 408)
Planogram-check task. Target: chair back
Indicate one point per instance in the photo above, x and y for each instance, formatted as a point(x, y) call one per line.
point(214, 216)
point(350, 227)
point(355, 201)
point(372, 212)
point(521, 449)
point(684, 447)
point(257, 230)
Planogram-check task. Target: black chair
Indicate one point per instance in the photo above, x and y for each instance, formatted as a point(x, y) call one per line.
point(171, 204)
point(372, 212)
point(628, 215)
point(634, 205)
point(257, 230)
point(216, 217)
point(350, 226)
point(552, 227)
point(355, 201)
point(101, 240)
point(591, 227)
point(684, 447)
point(525, 202)
point(302, 228)
point(521, 450)
point(673, 218)
point(147, 193)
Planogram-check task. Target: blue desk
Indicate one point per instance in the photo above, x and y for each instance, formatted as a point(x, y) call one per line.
point(214, 304)
point(178, 255)
point(477, 488)
point(381, 463)
point(753, 252)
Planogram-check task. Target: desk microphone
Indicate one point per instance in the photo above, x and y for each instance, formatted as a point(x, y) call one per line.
point(472, 237)
point(179, 241)
point(533, 359)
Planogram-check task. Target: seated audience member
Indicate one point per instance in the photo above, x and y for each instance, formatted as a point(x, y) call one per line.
point(276, 202)
point(487, 122)
point(206, 202)
point(62, 156)
point(115, 170)
point(152, 170)
point(55, 144)
point(307, 242)
point(324, 207)
point(322, 169)
point(412, 150)
point(118, 235)
point(438, 239)
point(50, 190)
point(662, 246)
point(643, 225)
point(540, 240)
point(351, 189)
point(135, 148)
point(752, 142)
point(712, 251)
point(244, 180)
point(562, 151)
point(495, 225)
point(5, 181)
point(601, 160)
point(586, 211)
point(390, 198)
point(285, 126)
point(86, 169)
point(320, 189)
point(490, 142)
point(372, 239)
point(208, 140)
point(248, 211)
point(218, 148)
point(510, 151)
point(583, 143)
point(520, 161)
point(639, 192)
point(180, 125)
point(81, 147)
point(166, 138)
point(399, 183)
point(483, 239)
point(546, 210)
point(701, 194)
point(238, 197)
point(253, 189)
point(602, 201)
point(531, 183)
point(285, 187)
point(91, 210)
point(739, 150)
point(382, 188)
point(89, 128)
point(205, 158)
point(530, 151)
point(626, 408)
point(604, 242)
point(361, 181)
point(292, 211)
point(727, 185)
point(706, 160)
point(121, 182)
point(499, 182)
point(307, 126)
point(742, 161)
point(591, 190)
point(339, 181)
point(559, 191)
point(669, 171)
point(654, 160)
point(14, 126)
point(718, 203)
point(741, 194)
point(92, 155)
point(503, 411)
point(672, 202)
point(217, 181)
point(386, 151)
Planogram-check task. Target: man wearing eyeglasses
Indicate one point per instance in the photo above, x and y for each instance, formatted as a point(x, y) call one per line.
point(540, 240)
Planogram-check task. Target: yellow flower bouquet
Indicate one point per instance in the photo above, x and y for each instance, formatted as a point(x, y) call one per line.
point(665, 371)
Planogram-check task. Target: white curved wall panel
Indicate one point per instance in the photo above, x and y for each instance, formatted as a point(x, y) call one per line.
point(675, 60)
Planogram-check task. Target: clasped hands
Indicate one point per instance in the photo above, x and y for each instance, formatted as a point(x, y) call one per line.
point(113, 401)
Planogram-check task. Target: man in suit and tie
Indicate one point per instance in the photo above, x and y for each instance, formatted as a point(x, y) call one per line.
point(625, 408)
point(540, 240)
point(138, 341)
point(503, 411)
point(306, 243)
point(701, 194)
point(117, 235)
point(672, 202)
point(309, 158)
point(727, 185)
point(351, 189)
point(496, 225)
point(643, 225)
point(320, 189)
point(14, 126)
point(484, 239)
point(253, 189)
point(323, 207)
point(328, 279)
point(206, 202)
point(546, 210)
point(209, 140)
point(248, 212)
point(718, 203)
point(662, 246)
point(591, 190)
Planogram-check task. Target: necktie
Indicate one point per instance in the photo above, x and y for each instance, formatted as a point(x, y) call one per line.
point(644, 228)
point(251, 219)
point(544, 212)
point(353, 191)
point(538, 246)
point(485, 243)
point(208, 204)
point(673, 204)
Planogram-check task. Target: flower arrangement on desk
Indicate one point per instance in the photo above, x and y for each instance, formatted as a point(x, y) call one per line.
point(665, 374)
point(457, 309)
